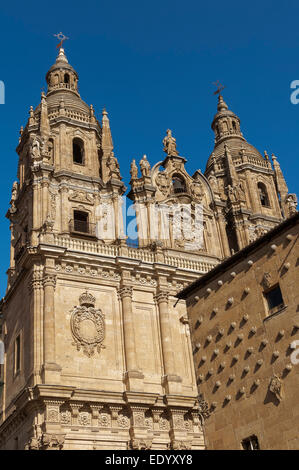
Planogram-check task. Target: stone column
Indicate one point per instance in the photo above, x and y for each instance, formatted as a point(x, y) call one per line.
point(171, 381)
point(50, 368)
point(12, 248)
point(141, 217)
point(35, 216)
point(35, 287)
point(134, 378)
point(64, 209)
point(45, 192)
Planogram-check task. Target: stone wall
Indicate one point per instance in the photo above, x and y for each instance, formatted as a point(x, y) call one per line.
point(242, 351)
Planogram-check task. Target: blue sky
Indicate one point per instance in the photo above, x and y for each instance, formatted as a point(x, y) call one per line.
point(152, 66)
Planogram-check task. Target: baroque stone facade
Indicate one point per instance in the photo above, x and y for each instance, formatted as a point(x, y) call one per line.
point(245, 334)
point(97, 348)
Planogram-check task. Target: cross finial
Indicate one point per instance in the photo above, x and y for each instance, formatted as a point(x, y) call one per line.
point(219, 86)
point(61, 37)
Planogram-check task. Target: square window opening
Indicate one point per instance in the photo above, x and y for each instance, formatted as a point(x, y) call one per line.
point(274, 298)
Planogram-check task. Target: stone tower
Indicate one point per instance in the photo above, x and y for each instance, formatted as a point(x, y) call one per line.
point(253, 195)
point(97, 346)
point(97, 354)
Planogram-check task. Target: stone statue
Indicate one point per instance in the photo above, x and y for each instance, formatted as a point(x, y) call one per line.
point(214, 183)
point(51, 151)
point(291, 204)
point(113, 165)
point(14, 195)
point(145, 166)
point(44, 148)
point(169, 143)
point(14, 191)
point(236, 193)
point(241, 192)
point(35, 149)
point(134, 170)
point(213, 159)
point(231, 193)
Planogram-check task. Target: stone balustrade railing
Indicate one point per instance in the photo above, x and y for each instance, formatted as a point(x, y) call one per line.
point(143, 254)
point(260, 162)
point(77, 116)
point(87, 246)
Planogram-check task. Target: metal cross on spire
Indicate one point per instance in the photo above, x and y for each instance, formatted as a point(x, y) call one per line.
point(61, 37)
point(219, 86)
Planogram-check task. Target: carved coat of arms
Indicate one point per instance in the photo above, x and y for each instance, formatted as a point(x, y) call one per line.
point(196, 190)
point(275, 387)
point(88, 325)
point(163, 183)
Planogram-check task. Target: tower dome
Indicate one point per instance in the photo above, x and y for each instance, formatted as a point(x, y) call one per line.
point(226, 126)
point(62, 80)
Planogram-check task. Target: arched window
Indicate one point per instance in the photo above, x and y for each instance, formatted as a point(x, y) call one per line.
point(78, 151)
point(178, 183)
point(66, 78)
point(263, 194)
point(234, 126)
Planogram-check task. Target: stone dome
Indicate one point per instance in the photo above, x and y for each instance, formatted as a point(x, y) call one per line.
point(62, 80)
point(226, 126)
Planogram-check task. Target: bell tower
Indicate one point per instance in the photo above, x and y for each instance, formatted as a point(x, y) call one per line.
point(89, 323)
point(253, 195)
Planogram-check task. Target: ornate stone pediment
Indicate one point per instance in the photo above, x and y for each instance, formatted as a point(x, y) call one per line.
point(267, 280)
point(88, 325)
point(81, 196)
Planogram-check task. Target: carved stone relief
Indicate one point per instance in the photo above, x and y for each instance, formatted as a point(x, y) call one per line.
point(82, 196)
point(88, 325)
point(275, 387)
point(163, 182)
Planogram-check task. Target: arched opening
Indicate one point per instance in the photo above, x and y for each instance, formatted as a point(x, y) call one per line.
point(78, 151)
point(234, 126)
point(66, 78)
point(263, 194)
point(178, 183)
